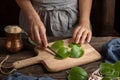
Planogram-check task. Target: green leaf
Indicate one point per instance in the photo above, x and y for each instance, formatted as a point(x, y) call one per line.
point(78, 45)
point(58, 57)
point(106, 78)
point(76, 52)
point(78, 70)
point(62, 53)
point(77, 77)
point(106, 69)
point(77, 73)
point(57, 45)
point(115, 74)
point(116, 66)
point(110, 71)
point(118, 78)
point(72, 44)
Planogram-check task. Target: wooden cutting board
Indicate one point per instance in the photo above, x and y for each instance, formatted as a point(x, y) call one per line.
point(53, 65)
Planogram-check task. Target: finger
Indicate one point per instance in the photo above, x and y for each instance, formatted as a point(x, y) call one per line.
point(75, 34)
point(37, 36)
point(43, 36)
point(78, 36)
point(31, 34)
point(83, 37)
point(44, 39)
point(89, 35)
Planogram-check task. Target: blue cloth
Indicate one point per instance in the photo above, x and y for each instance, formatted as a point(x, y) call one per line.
point(112, 50)
point(19, 76)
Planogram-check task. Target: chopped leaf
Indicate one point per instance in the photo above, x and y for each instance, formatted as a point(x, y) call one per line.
point(76, 52)
point(72, 44)
point(58, 57)
point(77, 73)
point(62, 53)
point(57, 45)
point(78, 45)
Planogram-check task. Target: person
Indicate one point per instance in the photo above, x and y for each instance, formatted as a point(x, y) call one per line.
point(68, 18)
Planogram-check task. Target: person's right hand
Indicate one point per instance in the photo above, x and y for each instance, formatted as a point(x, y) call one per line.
point(38, 32)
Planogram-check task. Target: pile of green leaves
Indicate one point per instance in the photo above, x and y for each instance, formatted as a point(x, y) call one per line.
point(77, 73)
point(110, 71)
point(62, 52)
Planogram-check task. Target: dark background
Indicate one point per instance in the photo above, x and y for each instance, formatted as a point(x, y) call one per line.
point(104, 16)
point(117, 16)
point(9, 14)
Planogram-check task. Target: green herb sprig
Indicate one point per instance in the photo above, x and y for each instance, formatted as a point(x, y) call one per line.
point(110, 71)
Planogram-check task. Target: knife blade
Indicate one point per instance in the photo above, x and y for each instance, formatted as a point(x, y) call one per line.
point(53, 52)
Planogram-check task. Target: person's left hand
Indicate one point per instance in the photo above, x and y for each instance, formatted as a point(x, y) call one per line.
point(82, 33)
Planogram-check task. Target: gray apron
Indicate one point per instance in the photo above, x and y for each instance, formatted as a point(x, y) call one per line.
point(58, 16)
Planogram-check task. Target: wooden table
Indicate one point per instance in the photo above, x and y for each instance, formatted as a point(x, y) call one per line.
point(38, 70)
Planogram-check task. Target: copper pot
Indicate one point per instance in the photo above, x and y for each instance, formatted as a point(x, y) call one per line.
point(13, 41)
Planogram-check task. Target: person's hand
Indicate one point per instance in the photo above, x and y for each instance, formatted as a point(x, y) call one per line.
point(82, 33)
point(38, 32)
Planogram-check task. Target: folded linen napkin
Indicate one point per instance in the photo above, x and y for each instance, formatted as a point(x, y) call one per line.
point(19, 76)
point(112, 50)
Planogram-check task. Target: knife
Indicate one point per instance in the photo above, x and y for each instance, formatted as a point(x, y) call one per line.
point(53, 52)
